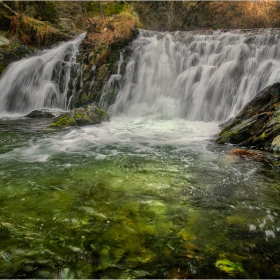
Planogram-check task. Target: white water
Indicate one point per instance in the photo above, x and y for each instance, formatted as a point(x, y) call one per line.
point(41, 81)
point(113, 84)
point(140, 135)
point(175, 91)
point(197, 77)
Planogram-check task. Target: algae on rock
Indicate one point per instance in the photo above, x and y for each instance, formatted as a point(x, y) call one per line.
point(86, 115)
point(258, 123)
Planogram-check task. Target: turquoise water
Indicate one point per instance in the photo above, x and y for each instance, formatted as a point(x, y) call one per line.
point(134, 198)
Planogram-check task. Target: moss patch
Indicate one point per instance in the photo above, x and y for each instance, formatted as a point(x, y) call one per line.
point(110, 8)
point(64, 121)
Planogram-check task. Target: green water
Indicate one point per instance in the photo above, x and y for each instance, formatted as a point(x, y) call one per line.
point(74, 209)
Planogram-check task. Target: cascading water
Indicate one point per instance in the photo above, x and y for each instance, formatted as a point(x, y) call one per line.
point(197, 77)
point(111, 86)
point(42, 81)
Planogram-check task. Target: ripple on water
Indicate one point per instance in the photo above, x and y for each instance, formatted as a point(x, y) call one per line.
point(135, 198)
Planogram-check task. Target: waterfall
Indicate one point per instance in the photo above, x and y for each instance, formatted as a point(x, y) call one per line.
point(205, 77)
point(111, 86)
point(46, 80)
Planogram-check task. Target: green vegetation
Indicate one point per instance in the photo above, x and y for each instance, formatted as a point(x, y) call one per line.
point(229, 267)
point(47, 11)
point(63, 121)
point(160, 15)
point(108, 8)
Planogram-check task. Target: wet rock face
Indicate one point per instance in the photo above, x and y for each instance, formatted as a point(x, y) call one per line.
point(40, 114)
point(258, 123)
point(99, 56)
point(12, 52)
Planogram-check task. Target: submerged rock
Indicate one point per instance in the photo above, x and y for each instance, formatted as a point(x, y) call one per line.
point(258, 123)
point(86, 115)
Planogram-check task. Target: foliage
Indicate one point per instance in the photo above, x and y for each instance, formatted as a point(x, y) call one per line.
point(34, 32)
point(186, 15)
point(46, 10)
point(108, 8)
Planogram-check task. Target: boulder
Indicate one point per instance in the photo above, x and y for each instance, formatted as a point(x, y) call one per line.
point(40, 114)
point(66, 24)
point(4, 40)
point(257, 125)
point(86, 115)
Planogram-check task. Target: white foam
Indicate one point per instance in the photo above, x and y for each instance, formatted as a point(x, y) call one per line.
point(197, 77)
point(140, 134)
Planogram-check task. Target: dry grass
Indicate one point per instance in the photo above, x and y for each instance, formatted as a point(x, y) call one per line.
point(105, 31)
point(33, 32)
point(116, 28)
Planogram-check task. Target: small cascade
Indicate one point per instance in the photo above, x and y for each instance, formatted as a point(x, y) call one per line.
point(198, 77)
point(112, 86)
point(46, 80)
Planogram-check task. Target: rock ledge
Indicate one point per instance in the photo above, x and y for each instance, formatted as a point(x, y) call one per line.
point(258, 123)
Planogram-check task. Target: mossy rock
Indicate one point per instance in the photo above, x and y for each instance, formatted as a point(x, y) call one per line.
point(258, 123)
point(86, 115)
point(30, 31)
point(40, 114)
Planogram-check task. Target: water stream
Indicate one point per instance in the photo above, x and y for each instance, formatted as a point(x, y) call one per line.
point(148, 194)
point(41, 81)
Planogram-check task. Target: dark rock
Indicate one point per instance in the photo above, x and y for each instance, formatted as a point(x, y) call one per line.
point(40, 114)
point(258, 123)
point(12, 52)
point(86, 115)
point(66, 24)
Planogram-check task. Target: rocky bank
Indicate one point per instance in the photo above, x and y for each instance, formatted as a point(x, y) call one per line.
point(257, 125)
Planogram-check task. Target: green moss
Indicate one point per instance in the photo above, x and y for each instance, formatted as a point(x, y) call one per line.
point(46, 10)
point(262, 136)
point(229, 267)
point(109, 9)
point(2, 68)
point(92, 58)
point(102, 72)
point(114, 8)
point(63, 121)
point(114, 57)
point(85, 98)
point(78, 116)
point(102, 114)
point(10, 47)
